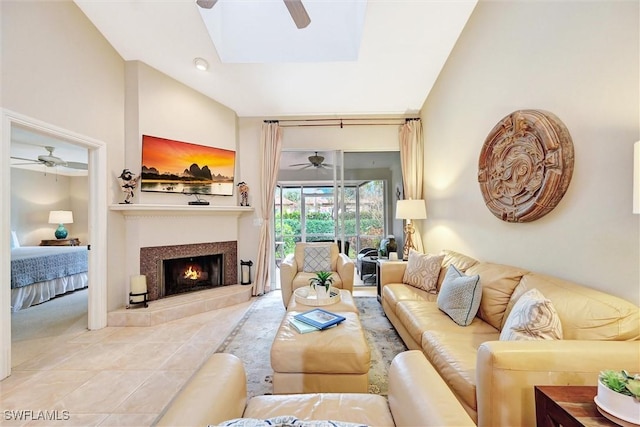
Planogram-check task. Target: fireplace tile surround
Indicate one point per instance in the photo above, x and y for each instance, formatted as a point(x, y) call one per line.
point(150, 257)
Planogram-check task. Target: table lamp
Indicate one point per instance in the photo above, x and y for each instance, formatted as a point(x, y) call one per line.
point(61, 218)
point(409, 210)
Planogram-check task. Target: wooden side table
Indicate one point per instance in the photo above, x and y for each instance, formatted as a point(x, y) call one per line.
point(61, 242)
point(568, 406)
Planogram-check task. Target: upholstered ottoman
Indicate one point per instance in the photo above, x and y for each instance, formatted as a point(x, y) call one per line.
point(335, 360)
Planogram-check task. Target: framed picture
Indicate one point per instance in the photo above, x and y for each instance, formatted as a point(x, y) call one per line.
point(170, 166)
point(319, 318)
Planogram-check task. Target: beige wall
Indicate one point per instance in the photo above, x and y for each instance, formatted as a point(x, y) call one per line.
point(578, 60)
point(34, 194)
point(58, 69)
point(160, 106)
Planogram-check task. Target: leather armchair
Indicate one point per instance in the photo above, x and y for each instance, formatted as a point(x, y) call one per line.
point(293, 276)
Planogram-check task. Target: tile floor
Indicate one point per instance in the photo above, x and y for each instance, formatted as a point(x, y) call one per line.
point(116, 376)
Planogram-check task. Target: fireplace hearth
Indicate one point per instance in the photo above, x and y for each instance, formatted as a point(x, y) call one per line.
point(181, 275)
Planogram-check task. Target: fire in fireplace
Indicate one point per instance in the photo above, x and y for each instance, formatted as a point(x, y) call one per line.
point(190, 274)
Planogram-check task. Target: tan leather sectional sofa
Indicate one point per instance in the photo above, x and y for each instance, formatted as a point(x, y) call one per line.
point(493, 380)
point(218, 393)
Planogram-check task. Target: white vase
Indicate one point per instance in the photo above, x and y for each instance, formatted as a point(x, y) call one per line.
point(619, 405)
point(321, 292)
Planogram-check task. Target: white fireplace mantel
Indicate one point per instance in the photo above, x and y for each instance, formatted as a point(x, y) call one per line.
point(172, 210)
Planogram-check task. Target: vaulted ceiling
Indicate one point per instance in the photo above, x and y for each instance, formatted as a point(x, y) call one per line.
point(403, 46)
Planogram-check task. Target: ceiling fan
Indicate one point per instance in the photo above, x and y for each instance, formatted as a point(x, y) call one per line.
point(49, 160)
point(314, 161)
point(296, 10)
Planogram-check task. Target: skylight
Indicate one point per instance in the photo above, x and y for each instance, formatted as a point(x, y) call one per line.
point(252, 31)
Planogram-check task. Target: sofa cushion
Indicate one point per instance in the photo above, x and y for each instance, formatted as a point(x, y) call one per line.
point(423, 270)
point(585, 313)
point(453, 355)
point(498, 282)
point(396, 292)
point(420, 316)
point(532, 318)
point(459, 296)
point(316, 258)
point(365, 408)
point(462, 263)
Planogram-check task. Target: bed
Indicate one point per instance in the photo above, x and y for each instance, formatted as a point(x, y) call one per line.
point(40, 273)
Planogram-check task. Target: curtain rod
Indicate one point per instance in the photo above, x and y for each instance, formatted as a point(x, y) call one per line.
point(343, 122)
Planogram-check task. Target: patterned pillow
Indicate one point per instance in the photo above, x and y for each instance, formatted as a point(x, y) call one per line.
point(286, 421)
point(317, 258)
point(422, 271)
point(532, 317)
point(460, 296)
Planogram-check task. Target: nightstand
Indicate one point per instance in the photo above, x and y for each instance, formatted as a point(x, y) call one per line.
point(61, 242)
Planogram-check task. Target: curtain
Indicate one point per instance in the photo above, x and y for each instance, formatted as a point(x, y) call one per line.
point(412, 160)
point(270, 148)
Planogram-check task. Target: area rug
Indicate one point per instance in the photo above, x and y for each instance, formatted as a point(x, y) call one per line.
point(251, 341)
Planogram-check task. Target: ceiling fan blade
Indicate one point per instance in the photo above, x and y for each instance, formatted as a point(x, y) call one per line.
point(77, 165)
point(298, 13)
point(299, 164)
point(206, 4)
point(26, 160)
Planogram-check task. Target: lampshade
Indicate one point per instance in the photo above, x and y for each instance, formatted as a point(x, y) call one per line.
point(411, 209)
point(636, 178)
point(60, 217)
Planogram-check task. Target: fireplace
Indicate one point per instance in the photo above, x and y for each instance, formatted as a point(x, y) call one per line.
point(221, 269)
point(181, 275)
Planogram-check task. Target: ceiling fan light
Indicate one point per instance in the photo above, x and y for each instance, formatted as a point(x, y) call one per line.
point(201, 64)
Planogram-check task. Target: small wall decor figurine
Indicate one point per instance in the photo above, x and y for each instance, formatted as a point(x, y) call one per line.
point(129, 182)
point(244, 193)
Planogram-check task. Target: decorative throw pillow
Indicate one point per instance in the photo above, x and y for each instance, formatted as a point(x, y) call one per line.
point(533, 317)
point(317, 258)
point(460, 296)
point(422, 271)
point(286, 421)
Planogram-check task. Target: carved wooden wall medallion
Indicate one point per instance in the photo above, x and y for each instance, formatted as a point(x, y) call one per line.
point(525, 165)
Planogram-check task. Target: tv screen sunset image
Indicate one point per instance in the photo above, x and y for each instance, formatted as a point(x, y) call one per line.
point(180, 167)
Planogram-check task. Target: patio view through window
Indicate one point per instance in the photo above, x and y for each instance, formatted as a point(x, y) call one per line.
point(305, 213)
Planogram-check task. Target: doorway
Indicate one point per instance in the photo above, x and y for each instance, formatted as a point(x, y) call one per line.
point(96, 219)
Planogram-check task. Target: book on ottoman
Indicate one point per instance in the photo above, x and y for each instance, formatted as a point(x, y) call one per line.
point(319, 318)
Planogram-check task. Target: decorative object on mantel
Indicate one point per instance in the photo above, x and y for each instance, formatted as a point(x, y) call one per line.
point(199, 201)
point(139, 293)
point(128, 182)
point(244, 193)
point(245, 272)
point(525, 165)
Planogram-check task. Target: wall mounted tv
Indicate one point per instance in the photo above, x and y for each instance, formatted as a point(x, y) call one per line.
point(181, 167)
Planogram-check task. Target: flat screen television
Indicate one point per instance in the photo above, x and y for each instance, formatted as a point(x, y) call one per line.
point(170, 166)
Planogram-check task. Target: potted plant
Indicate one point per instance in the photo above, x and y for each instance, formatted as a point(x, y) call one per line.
point(322, 283)
point(619, 394)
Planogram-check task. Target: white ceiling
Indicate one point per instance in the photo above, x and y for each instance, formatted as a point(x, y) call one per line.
point(404, 45)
